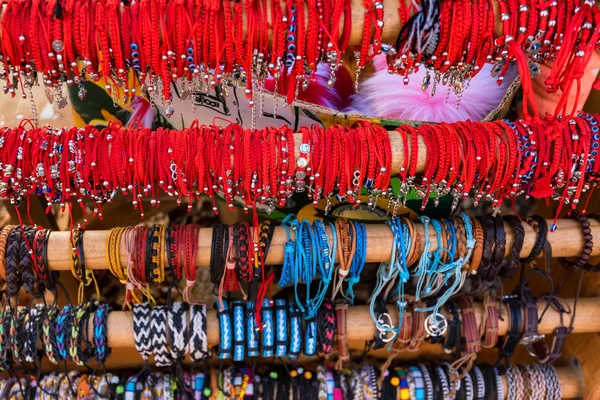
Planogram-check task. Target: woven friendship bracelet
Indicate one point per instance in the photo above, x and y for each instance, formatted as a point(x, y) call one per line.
point(252, 331)
point(158, 328)
point(268, 333)
point(17, 333)
point(326, 326)
point(281, 334)
point(33, 328)
point(238, 330)
point(295, 330)
point(198, 347)
point(62, 329)
point(49, 336)
point(310, 338)
point(11, 262)
point(178, 330)
point(100, 332)
point(225, 344)
point(142, 332)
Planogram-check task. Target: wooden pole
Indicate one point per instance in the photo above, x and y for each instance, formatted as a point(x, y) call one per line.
point(566, 241)
point(587, 320)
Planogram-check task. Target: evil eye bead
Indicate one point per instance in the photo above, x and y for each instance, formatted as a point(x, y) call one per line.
point(594, 153)
point(291, 38)
point(595, 136)
point(135, 54)
point(133, 46)
point(594, 129)
point(527, 153)
point(291, 47)
point(190, 51)
point(292, 28)
point(190, 59)
point(136, 62)
point(595, 145)
point(290, 56)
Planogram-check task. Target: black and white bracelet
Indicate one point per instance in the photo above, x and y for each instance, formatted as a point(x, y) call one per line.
point(158, 324)
point(141, 330)
point(198, 347)
point(178, 330)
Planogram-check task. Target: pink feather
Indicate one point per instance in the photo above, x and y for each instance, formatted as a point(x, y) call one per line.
point(385, 95)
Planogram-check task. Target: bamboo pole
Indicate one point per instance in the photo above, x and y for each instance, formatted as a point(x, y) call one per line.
point(567, 241)
point(587, 320)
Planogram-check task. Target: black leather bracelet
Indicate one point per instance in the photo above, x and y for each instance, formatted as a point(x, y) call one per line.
point(485, 268)
point(511, 264)
point(499, 244)
point(515, 330)
point(540, 226)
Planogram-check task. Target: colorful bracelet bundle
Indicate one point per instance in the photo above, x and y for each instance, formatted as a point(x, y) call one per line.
point(416, 382)
point(202, 47)
point(492, 161)
point(71, 333)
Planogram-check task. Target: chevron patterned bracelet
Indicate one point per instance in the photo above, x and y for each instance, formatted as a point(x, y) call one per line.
point(198, 347)
point(224, 351)
point(100, 332)
point(295, 330)
point(252, 332)
point(158, 328)
point(268, 336)
point(238, 330)
point(178, 330)
point(281, 335)
point(141, 330)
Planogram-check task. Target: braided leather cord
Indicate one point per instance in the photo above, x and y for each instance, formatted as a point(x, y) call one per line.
point(478, 235)
point(32, 329)
point(100, 332)
point(4, 234)
point(49, 336)
point(295, 330)
point(540, 226)
point(241, 236)
point(11, 261)
point(158, 331)
point(239, 329)
point(178, 329)
point(499, 244)
point(512, 263)
point(281, 333)
point(326, 327)
point(198, 347)
point(26, 261)
point(252, 332)
point(142, 332)
point(49, 278)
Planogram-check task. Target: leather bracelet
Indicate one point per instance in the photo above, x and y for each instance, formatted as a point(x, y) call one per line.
point(530, 331)
point(540, 226)
point(281, 334)
point(485, 268)
point(515, 330)
point(237, 307)
point(491, 326)
point(512, 263)
point(402, 341)
point(3, 243)
point(478, 383)
point(40, 251)
point(472, 341)
point(477, 254)
point(419, 334)
point(384, 319)
point(11, 262)
point(341, 313)
point(453, 334)
point(499, 244)
point(588, 245)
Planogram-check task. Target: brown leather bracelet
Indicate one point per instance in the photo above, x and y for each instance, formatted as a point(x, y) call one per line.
point(530, 323)
point(341, 312)
point(461, 239)
point(405, 334)
point(491, 326)
point(415, 248)
point(478, 249)
point(3, 240)
point(471, 341)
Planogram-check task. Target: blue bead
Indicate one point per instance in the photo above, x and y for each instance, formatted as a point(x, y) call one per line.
point(293, 9)
point(39, 192)
point(553, 227)
point(293, 19)
point(290, 56)
point(135, 54)
point(579, 115)
point(595, 129)
point(190, 59)
point(594, 153)
point(292, 28)
point(133, 46)
point(190, 51)
point(527, 153)
point(192, 66)
point(289, 63)
point(521, 148)
point(136, 61)
point(525, 137)
point(593, 122)
point(527, 145)
point(137, 68)
point(291, 38)
point(291, 47)
point(595, 145)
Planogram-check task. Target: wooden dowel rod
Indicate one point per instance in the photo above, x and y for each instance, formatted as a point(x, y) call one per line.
point(587, 320)
point(567, 241)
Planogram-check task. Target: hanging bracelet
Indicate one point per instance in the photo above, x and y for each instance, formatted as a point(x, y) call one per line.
point(224, 350)
point(142, 332)
point(295, 330)
point(198, 346)
point(101, 333)
point(158, 328)
point(177, 329)
point(252, 331)
point(281, 334)
point(268, 335)
point(238, 330)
